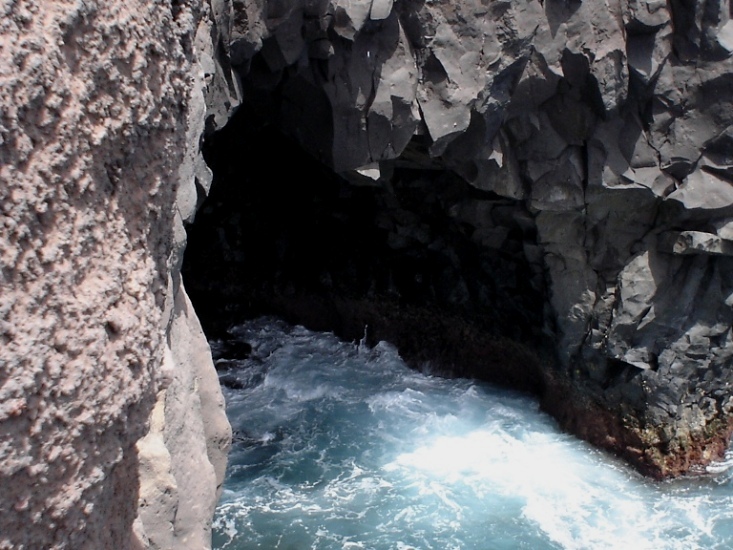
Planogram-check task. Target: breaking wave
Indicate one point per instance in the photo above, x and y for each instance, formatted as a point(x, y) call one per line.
point(340, 446)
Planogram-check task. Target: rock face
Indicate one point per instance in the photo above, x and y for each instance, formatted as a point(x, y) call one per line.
point(607, 126)
point(591, 144)
point(96, 334)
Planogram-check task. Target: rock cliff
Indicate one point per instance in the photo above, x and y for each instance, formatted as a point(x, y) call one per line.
point(589, 143)
point(596, 138)
point(98, 340)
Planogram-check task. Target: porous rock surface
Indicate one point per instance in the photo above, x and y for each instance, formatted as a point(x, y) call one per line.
point(607, 123)
point(97, 339)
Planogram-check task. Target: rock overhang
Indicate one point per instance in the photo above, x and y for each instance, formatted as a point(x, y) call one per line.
point(580, 119)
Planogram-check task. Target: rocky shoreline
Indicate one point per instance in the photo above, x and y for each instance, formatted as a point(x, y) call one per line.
point(558, 173)
point(601, 185)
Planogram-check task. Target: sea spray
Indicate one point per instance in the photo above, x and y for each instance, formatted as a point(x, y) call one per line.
point(340, 446)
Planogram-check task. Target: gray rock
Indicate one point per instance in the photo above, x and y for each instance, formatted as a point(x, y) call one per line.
point(380, 9)
point(694, 242)
point(611, 126)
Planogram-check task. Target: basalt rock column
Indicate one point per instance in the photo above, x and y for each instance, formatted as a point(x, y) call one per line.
point(609, 122)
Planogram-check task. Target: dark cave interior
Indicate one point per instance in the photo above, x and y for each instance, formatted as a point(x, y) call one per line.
point(418, 258)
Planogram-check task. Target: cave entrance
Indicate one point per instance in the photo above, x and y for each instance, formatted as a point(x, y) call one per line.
point(418, 257)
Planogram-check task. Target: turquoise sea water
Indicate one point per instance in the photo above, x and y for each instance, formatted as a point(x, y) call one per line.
point(340, 446)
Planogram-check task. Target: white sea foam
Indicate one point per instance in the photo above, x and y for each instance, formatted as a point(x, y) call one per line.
point(344, 447)
point(722, 466)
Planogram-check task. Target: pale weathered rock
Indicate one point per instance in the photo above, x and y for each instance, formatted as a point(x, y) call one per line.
point(604, 126)
point(95, 132)
point(183, 457)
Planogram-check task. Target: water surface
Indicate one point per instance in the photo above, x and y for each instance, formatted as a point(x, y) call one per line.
point(339, 446)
